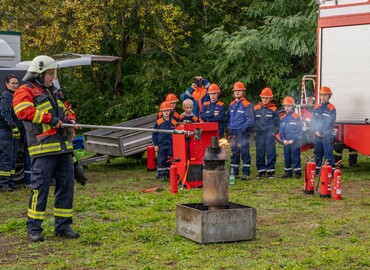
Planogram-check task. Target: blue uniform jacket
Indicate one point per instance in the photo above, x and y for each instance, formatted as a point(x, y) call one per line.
point(214, 112)
point(163, 140)
point(290, 127)
point(240, 116)
point(8, 119)
point(323, 119)
point(266, 118)
point(188, 118)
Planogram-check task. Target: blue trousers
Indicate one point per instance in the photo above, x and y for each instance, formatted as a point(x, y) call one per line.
point(8, 157)
point(44, 168)
point(164, 162)
point(323, 148)
point(240, 149)
point(265, 152)
point(292, 158)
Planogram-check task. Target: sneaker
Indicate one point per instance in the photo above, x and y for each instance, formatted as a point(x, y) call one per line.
point(270, 175)
point(286, 175)
point(35, 237)
point(67, 233)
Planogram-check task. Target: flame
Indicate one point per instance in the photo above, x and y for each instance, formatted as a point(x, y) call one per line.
point(222, 142)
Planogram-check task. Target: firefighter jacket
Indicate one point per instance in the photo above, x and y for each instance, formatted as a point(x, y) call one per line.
point(323, 119)
point(188, 119)
point(40, 109)
point(198, 95)
point(240, 116)
point(214, 112)
point(8, 119)
point(290, 127)
point(266, 118)
point(163, 140)
point(173, 115)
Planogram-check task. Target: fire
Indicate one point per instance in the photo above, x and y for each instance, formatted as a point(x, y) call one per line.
point(222, 142)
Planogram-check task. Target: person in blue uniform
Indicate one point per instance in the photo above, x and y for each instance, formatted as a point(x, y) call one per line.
point(290, 135)
point(188, 117)
point(267, 122)
point(214, 110)
point(322, 124)
point(240, 123)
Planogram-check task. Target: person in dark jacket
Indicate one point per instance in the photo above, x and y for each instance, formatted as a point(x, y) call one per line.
point(267, 122)
point(188, 117)
point(9, 135)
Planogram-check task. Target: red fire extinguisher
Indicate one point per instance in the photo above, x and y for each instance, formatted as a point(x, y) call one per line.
point(337, 182)
point(151, 165)
point(173, 177)
point(309, 177)
point(326, 175)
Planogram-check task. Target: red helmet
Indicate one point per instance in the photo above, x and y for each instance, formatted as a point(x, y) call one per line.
point(165, 106)
point(288, 101)
point(213, 88)
point(239, 86)
point(325, 91)
point(171, 98)
point(266, 92)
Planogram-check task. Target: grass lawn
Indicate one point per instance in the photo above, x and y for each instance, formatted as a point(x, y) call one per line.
point(123, 228)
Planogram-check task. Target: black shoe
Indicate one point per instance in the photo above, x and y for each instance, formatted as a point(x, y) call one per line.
point(286, 175)
point(35, 237)
point(6, 189)
point(297, 176)
point(260, 175)
point(67, 233)
point(245, 177)
point(270, 175)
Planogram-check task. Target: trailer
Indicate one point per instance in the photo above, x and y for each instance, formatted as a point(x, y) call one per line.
point(343, 64)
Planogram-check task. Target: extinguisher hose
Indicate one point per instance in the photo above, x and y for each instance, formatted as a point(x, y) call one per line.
point(318, 182)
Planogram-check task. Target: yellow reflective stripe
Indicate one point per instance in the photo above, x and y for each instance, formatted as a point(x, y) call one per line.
point(60, 212)
point(44, 107)
point(44, 148)
point(35, 214)
point(45, 127)
point(12, 171)
point(68, 145)
point(38, 117)
point(4, 173)
point(22, 105)
point(61, 104)
point(34, 199)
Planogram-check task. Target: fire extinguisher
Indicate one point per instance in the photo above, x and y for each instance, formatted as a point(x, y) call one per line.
point(337, 182)
point(326, 175)
point(309, 177)
point(151, 164)
point(173, 177)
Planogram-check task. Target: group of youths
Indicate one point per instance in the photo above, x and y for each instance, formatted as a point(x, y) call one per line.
point(201, 104)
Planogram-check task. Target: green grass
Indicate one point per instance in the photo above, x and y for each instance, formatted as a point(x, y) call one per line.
point(123, 228)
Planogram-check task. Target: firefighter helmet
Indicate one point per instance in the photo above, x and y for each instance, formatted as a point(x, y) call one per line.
point(42, 63)
point(325, 91)
point(239, 86)
point(165, 106)
point(171, 98)
point(288, 101)
point(267, 93)
point(213, 88)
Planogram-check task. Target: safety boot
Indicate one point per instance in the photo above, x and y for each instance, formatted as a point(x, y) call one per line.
point(67, 233)
point(35, 237)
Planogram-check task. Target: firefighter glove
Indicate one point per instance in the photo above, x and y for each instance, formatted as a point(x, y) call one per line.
point(15, 132)
point(79, 174)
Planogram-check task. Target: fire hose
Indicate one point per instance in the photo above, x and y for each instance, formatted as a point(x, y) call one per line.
point(197, 133)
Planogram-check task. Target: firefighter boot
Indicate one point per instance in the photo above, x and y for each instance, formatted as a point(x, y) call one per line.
point(35, 237)
point(67, 233)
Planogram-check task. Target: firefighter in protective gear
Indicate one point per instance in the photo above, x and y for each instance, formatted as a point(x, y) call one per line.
point(240, 123)
point(290, 133)
point(197, 92)
point(43, 114)
point(267, 122)
point(322, 124)
point(163, 141)
point(9, 135)
point(214, 110)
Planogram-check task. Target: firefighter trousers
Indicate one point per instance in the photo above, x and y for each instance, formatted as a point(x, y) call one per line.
point(240, 149)
point(338, 154)
point(164, 162)
point(44, 169)
point(8, 158)
point(292, 159)
point(265, 152)
point(323, 148)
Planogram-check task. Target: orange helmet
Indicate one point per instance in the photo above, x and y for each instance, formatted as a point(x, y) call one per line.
point(325, 91)
point(171, 98)
point(165, 106)
point(266, 92)
point(239, 86)
point(288, 101)
point(213, 88)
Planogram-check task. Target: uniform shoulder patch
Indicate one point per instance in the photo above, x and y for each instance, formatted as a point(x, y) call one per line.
point(295, 115)
point(173, 121)
point(195, 119)
point(246, 103)
point(220, 103)
point(160, 121)
point(206, 103)
point(232, 102)
point(257, 107)
point(273, 108)
point(331, 107)
point(317, 105)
